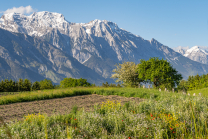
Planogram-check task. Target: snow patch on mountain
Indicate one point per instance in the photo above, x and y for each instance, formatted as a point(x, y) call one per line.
point(88, 31)
point(1, 21)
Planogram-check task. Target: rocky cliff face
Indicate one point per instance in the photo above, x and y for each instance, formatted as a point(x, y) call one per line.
point(39, 59)
point(96, 46)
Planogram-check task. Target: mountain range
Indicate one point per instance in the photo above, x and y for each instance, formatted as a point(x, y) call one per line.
point(46, 45)
point(195, 53)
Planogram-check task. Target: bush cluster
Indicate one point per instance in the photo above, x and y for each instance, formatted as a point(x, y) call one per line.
point(110, 85)
point(27, 85)
point(24, 85)
point(70, 82)
point(193, 83)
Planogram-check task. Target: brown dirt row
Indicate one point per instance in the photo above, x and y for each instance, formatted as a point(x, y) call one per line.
point(14, 111)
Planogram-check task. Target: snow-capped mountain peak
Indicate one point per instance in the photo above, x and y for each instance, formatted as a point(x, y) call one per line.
point(49, 18)
point(98, 45)
point(98, 22)
point(13, 16)
point(36, 24)
point(194, 50)
point(195, 53)
point(40, 23)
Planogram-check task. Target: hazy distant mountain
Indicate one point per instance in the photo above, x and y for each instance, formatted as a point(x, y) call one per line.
point(98, 45)
point(181, 49)
point(196, 53)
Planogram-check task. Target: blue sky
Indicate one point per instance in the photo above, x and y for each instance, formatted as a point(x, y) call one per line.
point(171, 22)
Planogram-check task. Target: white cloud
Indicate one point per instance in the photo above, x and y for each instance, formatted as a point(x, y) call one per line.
point(21, 9)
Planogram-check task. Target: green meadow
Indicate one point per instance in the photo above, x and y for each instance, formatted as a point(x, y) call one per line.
point(160, 115)
point(203, 91)
point(60, 93)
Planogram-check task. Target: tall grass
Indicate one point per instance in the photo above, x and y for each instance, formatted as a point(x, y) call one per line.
point(167, 116)
point(59, 93)
point(203, 91)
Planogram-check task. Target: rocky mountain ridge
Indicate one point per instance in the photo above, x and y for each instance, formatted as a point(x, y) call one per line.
point(37, 59)
point(97, 46)
point(37, 24)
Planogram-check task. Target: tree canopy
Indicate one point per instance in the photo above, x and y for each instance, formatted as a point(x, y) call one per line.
point(159, 72)
point(26, 85)
point(126, 74)
point(46, 84)
point(36, 86)
point(194, 82)
point(70, 82)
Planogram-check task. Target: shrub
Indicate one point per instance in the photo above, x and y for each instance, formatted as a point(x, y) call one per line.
point(70, 82)
point(36, 86)
point(46, 84)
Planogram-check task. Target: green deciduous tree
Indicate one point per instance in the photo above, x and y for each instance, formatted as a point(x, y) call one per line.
point(126, 74)
point(8, 86)
point(36, 86)
point(27, 85)
point(2, 86)
point(46, 84)
point(83, 82)
point(105, 84)
point(159, 72)
point(70, 82)
point(183, 85)
point(196, 82)
point(20, 85)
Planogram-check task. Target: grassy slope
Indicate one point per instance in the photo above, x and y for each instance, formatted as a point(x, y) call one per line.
point(203, 91)
point(59, 93)
point(68, 92)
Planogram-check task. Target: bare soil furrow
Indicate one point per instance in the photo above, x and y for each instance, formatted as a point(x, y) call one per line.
point(56, 106)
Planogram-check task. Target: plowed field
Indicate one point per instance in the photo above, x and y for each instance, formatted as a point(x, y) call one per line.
point(57, 106)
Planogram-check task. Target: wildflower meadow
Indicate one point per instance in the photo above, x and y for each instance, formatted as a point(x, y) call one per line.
point(170, 115)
